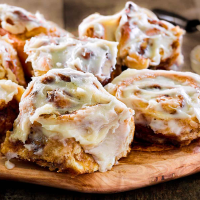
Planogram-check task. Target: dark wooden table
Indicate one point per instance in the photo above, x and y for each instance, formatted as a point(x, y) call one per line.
point(181, 189)
point(68, 14)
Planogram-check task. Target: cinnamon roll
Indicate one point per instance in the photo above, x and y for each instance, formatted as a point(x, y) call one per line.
point(166, 104)
point(87, 55)
point(144, 40)
point(69, 122)
point(20, 25)
point(10, 95)
point(10, 66)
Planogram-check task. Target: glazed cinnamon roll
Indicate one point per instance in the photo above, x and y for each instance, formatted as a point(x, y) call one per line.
point(20, 26)
point(87, 55)
point(166, 104)
point(69, 122)
point(10, 66)
point(10, 95)
point(144, 40)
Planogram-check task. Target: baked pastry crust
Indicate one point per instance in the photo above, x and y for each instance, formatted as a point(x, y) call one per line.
point(68, 122)
point(144, 40)
point(56, 155)
point(166, 104)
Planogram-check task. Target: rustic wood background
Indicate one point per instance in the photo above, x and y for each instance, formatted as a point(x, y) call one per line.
point(68, 14)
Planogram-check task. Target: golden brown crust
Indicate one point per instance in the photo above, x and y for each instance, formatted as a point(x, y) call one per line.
point(60, 156)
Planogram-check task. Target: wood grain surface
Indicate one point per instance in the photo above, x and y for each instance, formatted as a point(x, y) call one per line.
point(139, 169)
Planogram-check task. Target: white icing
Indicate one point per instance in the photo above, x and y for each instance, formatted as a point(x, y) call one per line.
point(161, 95)
point(175, 127)
point(96, 119)
point(104, 26)
point(99, 30)
point(8, 90)
point(9, 156)
point(138, 26)
point(157, 124)
point(89, 55)
point(9, 165)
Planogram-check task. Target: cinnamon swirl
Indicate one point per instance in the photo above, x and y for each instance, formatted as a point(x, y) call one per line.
point(20, 25)
point(69, 122)
point(166, 104)
point(87, 55)
point(10, 66)
point(144, 40)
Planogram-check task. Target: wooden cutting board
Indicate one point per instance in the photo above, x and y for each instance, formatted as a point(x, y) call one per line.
point(139, 169)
